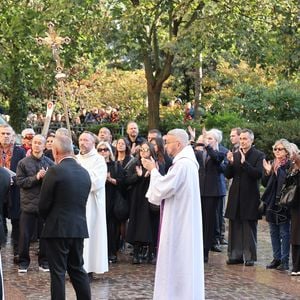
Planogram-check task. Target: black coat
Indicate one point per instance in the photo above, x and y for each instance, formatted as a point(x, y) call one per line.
point(139, 226)
point(117, 172)
point(62, 205)
point(295, 216)
point(210, 172)
point(30, 186)
point(243, 198)
point(275, 213)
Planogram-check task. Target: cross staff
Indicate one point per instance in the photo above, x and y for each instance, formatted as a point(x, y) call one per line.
point(55, 42)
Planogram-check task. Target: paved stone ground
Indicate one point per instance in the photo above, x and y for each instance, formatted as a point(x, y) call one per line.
point(127, 281)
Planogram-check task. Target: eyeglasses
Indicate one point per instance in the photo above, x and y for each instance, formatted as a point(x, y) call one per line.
point(144, 150)
point(166, 143)
point(278, 149)
point(102, 149)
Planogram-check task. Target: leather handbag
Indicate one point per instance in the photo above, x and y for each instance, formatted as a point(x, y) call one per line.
point(289, 196)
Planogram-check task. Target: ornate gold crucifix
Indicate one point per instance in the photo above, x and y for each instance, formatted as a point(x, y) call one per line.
point(55, 42)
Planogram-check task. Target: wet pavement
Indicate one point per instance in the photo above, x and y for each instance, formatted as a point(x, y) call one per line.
point(127, 281)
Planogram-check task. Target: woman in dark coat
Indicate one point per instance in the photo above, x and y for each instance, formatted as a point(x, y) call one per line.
point(115, 176)
point(211, 187)
point(124, 158)
point(139, 231)
point(277, 216)
point(295, 217)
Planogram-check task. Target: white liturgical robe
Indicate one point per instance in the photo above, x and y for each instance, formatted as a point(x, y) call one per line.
point(180, 268)
point(95, 247)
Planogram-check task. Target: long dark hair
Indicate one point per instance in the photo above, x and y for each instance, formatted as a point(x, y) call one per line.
point(160, 149)
point(151, 148)
point(127, 149)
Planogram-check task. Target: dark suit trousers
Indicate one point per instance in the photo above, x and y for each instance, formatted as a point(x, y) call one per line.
point(242, 240)
point(65, 254)
point(28, 223)
point(296, 258)
point(209, 209)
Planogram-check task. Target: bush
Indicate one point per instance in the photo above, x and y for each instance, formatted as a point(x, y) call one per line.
point(267, 133)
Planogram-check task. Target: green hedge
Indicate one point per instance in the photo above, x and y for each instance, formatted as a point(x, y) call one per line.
point(266, 133)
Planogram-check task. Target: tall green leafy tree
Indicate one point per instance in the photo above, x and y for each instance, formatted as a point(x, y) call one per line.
point(150, 31)
point(26, 69)
point(162, 35)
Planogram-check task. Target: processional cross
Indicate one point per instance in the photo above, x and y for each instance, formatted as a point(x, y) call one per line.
point(55, 42)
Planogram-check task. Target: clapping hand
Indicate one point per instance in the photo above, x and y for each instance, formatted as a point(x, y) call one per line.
point(230, 156)
point(192, 132)
point(149, 164)
point(242, 156)
point(139, 170)
point(267, 166)
point(41, 173)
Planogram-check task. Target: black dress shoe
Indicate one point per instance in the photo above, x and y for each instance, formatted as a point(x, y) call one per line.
point(112, 259)
point(234, 262)
point(249, 263)
point(274, 264)
point(283, 267)
point(216, 248)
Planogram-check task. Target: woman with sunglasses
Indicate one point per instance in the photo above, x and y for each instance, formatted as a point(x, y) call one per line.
point(115, 175)
point(140, 227)
point(278, 217)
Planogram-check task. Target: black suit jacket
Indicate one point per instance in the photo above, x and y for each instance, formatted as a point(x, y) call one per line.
point(210, 173)
point(63, 198)
point(243, 198)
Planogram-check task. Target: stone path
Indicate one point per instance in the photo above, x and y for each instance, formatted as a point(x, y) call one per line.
point(127, 281)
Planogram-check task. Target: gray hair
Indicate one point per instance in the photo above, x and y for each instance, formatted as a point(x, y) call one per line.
point(294, 148)
point(250, 132)
point(64, 144)
point(181, 135)
point(40, 137)
point(216, 133)
point(286, 145)
point(62, 131)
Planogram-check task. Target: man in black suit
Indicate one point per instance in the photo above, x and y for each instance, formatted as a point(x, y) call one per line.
point(10, 155)
point(245, 168)
point(64, 194)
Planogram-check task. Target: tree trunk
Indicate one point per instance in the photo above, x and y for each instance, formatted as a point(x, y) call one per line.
point(153, 106)
point(198, 89)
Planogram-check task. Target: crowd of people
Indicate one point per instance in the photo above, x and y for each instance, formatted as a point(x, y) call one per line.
point(170, 193)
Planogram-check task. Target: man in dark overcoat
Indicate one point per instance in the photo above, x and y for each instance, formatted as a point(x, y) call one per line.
point(245, 168)
point(62, 205)
point(10, 155)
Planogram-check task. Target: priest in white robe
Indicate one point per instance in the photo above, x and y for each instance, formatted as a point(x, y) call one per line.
point(180, 267)
point(95, 247)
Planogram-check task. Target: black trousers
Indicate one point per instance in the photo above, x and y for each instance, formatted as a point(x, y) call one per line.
point(209, 208)
point(113, 235)
point(296, 258)
point(65, 254)
point(242, 240)
point(15, 231)
point(28, 223)
point(220, 221)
